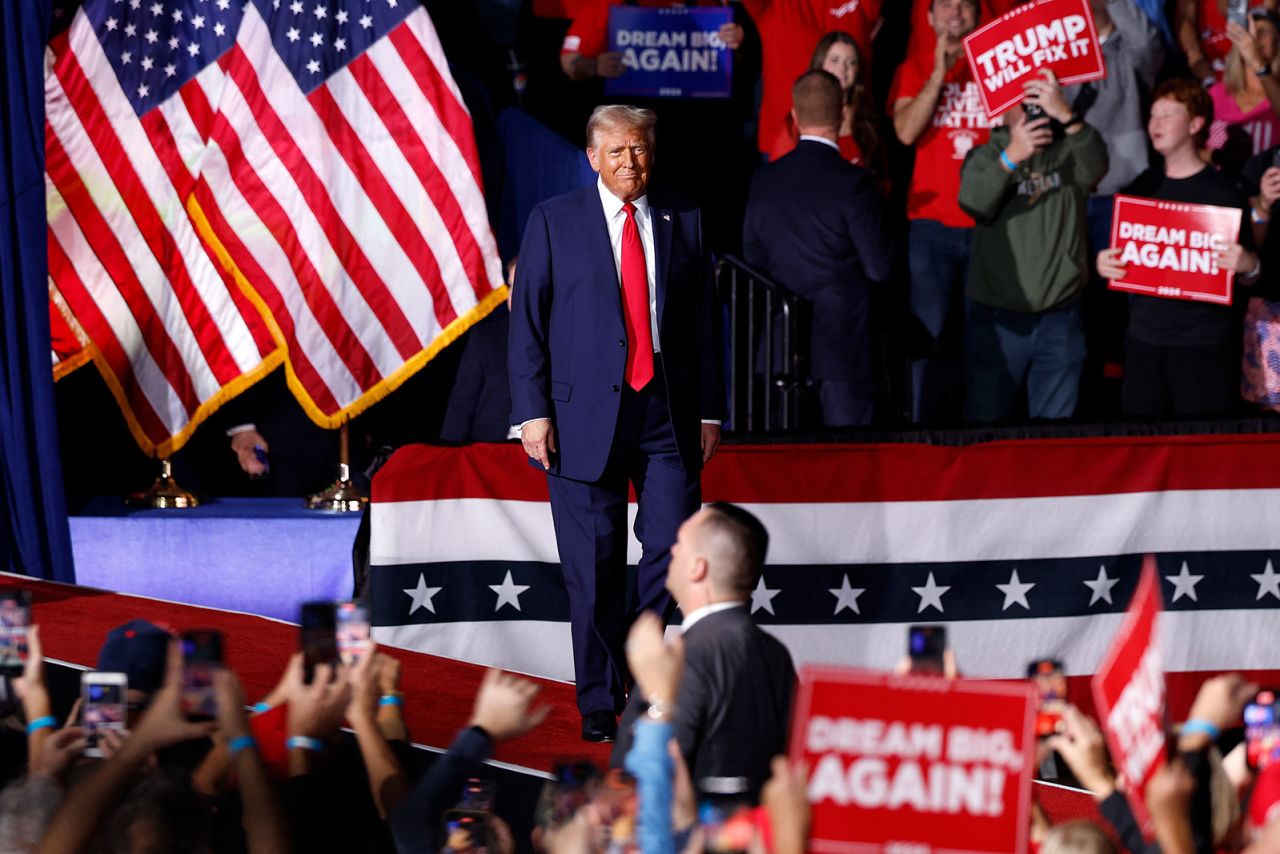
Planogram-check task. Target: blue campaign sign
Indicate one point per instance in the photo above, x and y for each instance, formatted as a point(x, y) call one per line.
point(670, 53)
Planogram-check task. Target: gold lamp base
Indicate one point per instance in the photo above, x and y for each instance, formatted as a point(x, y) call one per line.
point(341, 497)
point(164, 494)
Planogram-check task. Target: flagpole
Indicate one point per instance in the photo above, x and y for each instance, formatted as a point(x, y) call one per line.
point(342, 496)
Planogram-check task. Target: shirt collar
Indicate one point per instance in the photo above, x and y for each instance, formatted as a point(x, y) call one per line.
point(707, 611)
point(805, 137)
point(613, 204)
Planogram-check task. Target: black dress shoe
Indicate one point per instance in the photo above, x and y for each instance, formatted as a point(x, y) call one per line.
point(599, 727)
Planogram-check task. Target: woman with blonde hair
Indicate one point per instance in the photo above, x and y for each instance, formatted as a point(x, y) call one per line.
point(1245, 120)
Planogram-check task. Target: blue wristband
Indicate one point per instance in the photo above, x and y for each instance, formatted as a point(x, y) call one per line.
point(1198, 725)
point(46, 722)
point(1008, 164)
point(390, 700)
point(239, 743)
point(315, 745)
point(261, 707)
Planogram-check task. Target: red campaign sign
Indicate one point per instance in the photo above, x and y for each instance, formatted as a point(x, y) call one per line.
point(914, 763)
point(1169, 247)
point(1011, 50)
point(1129, 692)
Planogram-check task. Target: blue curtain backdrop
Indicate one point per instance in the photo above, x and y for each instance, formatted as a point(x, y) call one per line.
point(33, 516)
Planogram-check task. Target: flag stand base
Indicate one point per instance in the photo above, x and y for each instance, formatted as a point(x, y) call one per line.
point(164, 494)
point(341, 497)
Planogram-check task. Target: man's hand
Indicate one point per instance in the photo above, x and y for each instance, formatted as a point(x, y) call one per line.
point(945, 54)
point(1269, 191)
point(243, 444)
point(503, 706)
point(317, 710)
point(1109, 264)
point(1046, 94)
point(786, 800)
point(655, 664)
point(1220, 702)
point(731, 34)
point(56, 755)
point(539, 440)
point(231, 717)
point(1083, 748)
point(1028, 137)
point(609, 64)
point(164, 724)
point(710, 441)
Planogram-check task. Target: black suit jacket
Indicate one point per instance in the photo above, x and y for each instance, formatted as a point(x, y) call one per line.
point(733, 710)
point(814, 226)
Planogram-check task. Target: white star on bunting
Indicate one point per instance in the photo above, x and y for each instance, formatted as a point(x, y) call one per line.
point(846, 596)
point(422, 595)
point(1015, 592)
point(1184, 584)
point(762, 597)
point(930, 595)
point(1101, 586)
point(508, 592)
point(1268, 582)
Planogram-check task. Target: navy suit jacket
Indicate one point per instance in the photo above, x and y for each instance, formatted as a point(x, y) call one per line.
point(568, 344)
point(814, 225)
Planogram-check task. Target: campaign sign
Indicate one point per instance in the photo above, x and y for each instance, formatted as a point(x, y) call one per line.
point(670, 53)
point(1057, 35)
point(1129, 693)
point(914, 763)
point(1169, 248)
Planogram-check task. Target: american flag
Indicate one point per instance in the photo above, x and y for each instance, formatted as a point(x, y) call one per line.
point(1025, 550)
point(226, 178)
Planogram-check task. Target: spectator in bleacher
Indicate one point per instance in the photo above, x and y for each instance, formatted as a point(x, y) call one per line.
point(1260, 368)
point(859, 137)
point(788, 31)
point(1182, 358)
point(1117, 107)
point(1244, 116)
point(1027, 188)
point(922, 37)
point(1201, 29)
point(814, 226)
point(734, 703)
point(937, 108)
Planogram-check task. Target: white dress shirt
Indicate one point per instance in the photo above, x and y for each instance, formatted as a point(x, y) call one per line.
point(615, 217)
point(822, 139)
point(707, 611)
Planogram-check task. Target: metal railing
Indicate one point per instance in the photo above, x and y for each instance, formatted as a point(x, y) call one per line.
point(767, 373)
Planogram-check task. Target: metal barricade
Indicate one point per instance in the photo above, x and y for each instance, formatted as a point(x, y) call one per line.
point(767, 373)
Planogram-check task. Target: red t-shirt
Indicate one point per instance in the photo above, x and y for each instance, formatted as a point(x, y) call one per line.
point(959, 125)
point(789, 31)
point(588, 35)
point(922, 35)
point(555, 8)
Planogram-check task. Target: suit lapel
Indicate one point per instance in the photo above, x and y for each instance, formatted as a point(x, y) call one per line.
point(662, 230)
point(596, 246)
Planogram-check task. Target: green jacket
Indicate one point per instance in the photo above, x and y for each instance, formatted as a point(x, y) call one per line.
point(1030, 245)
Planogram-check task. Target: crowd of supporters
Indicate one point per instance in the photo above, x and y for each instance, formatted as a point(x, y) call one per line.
point(997, 308)
point(699, 763)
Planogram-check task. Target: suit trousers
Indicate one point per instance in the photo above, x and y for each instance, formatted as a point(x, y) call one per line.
point(591, 533)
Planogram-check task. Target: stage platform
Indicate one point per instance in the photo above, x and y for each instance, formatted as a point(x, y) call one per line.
point(257, 555)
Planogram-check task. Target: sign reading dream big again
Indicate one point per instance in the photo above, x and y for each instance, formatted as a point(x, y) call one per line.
point(670, 53)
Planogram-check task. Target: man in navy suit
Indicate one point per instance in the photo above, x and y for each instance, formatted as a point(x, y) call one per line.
point(814, 226)
point(615, 367)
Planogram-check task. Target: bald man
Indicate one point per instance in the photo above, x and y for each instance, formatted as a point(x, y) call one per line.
point(732, 712)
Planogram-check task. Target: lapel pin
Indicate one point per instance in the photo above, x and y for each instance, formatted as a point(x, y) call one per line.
point(667, 217)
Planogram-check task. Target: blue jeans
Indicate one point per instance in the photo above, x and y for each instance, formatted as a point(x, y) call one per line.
point(1006, 351)
point(938, 256)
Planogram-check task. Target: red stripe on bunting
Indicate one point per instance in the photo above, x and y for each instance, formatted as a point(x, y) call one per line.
point(868, 473)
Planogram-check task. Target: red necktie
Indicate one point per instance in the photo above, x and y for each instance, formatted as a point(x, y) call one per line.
point(635, 304)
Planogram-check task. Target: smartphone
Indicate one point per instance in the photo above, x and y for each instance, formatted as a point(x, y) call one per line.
point(201, 659)
point(15, 620)
point(352, 628)
point(925, 646)
point(1262, 731)
point(318, 636)
point(1050, 681)
point(1033, 111)
point(1238, 13)
point(477, 795)
point(467, 830)
point(104, 705)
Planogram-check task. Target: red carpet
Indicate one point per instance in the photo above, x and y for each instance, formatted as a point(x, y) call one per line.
point(74, 622)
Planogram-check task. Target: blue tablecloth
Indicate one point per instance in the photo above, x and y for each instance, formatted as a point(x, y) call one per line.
point(257, 555)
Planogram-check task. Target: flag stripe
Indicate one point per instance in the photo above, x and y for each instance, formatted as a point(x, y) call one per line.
point(103, 244)
point(297, 154)
point(104, 337)
point(408, 235)
point(259, 201)
point(254, 273)
point(420, 48)
point(420, 113)
point(136, 170)
point(446, 215)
